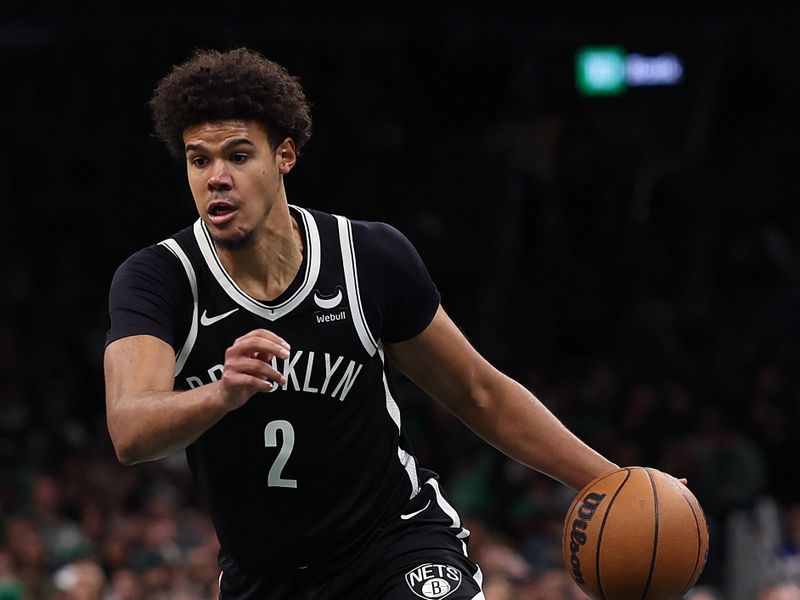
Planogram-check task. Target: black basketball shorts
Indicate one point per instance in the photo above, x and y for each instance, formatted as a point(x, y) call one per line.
point(421, 554)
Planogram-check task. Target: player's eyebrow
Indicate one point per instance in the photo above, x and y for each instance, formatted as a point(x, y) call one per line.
point(194, 148)
point(241, 141)
point(236, 142)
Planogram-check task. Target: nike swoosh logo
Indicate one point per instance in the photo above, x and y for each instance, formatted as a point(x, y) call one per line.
point(415, 513)
point(205, 320)
point(328, 303)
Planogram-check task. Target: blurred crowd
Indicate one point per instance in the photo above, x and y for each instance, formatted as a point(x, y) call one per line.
point(83, 527)
point(634, 261)
point(95, 530)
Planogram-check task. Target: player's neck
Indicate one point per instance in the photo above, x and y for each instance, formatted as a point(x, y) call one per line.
point(267, 267)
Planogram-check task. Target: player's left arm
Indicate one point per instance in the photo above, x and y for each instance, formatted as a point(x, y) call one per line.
point(503, 412)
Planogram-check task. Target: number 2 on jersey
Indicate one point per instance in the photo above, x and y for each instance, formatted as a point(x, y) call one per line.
point(274, 478)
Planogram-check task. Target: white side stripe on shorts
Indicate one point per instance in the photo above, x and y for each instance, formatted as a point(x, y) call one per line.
point(478, 577)
point(444, 504)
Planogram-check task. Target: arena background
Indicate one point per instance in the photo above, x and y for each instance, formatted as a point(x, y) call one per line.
point(633, 259)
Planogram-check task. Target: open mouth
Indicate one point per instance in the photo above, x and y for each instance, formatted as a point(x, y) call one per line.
point(220, 212)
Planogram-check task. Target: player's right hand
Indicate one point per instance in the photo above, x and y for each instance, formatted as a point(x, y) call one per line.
point(247, 369)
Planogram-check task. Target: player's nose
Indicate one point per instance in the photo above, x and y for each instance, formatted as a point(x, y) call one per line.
point(219, 178)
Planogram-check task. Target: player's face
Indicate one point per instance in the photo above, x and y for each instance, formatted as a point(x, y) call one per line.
point(235, 177)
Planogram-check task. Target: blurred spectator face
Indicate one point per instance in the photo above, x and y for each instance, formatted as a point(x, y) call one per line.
point(46, 498)
point(498, 588)
point(203, 567)
point(160, 534)
point(557, 585)
point(115, 553)
point(92, 523)
point(702, 595)
point(161, 505)
point(81, 580)
point(25, 543)
point(125, 586)
point(8, 572)
point(786, 591)
point(157, 579)
point(213, 593)
point(498, 558)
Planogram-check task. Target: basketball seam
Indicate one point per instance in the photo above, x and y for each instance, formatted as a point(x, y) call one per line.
point(600, 533)
point(592, 483)
point(697, 527)
point(655, 535)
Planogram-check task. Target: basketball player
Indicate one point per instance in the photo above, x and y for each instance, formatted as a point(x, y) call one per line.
point(258, 339)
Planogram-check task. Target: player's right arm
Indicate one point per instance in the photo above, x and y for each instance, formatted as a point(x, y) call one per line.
point(147, 420)
point(150, 304)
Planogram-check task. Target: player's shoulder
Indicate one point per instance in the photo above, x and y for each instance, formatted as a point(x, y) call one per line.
point(379, 237)
point(375, 237)
point(374, 242)
point(155, 260)
point(149, 255)
point(155, 257)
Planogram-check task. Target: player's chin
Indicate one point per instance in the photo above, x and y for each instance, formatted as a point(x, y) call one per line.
point(237, 239)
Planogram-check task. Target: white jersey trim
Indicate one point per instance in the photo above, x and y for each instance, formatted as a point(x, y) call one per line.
point(408, 461)
point(242, 298)
point(451, 512)
point(186, 349)
point(351, 282)
point(478, 577)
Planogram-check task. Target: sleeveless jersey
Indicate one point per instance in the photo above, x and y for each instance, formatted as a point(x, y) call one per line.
point(299, 475)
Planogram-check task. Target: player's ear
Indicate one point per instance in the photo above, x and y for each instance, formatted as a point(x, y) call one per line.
point(286, 155)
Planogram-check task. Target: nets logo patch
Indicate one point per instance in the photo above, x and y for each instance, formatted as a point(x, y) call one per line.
point(433, 581)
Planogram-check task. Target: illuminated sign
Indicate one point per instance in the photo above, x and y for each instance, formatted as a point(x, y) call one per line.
point(610, 70)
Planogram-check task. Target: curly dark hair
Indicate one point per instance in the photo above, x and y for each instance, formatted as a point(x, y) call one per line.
point(237, 84)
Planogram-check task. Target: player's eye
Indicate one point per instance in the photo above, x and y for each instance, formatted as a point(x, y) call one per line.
point(239, 158)
point(199, 161)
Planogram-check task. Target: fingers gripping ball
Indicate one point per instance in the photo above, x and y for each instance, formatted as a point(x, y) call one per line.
point(635, 534)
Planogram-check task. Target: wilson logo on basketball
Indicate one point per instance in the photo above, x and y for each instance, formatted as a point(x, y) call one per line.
point(635, 533)
point(433, 581)
point(577, 536)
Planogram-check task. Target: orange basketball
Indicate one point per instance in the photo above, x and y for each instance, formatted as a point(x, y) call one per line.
point(635, 534)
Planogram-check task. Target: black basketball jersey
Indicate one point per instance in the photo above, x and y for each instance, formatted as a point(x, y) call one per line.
point(302, 474)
